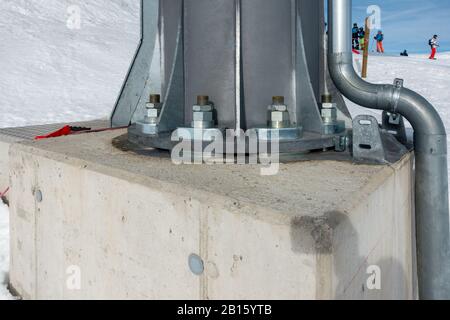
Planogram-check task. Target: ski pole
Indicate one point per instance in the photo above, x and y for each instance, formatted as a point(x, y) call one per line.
point(371, 46)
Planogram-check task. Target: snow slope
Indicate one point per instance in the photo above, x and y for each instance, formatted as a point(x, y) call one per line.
point(51, 73)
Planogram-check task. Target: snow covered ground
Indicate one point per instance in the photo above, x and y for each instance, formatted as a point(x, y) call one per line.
point(54, 73)
point(4, 251)
point(51, 71)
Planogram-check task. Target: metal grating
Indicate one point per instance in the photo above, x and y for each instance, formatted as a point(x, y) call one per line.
point(30, 132)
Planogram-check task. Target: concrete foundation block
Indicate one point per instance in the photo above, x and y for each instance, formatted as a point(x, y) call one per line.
point(5, 142)
point(89, 221)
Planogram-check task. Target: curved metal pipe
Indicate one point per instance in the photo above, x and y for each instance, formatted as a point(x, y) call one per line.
point(430, 139)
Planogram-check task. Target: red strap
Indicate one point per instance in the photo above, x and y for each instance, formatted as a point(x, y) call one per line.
point(64, 131)
point(67, 130)
point(4, 193)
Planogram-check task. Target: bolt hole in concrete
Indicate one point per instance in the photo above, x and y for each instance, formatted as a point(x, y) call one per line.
point(196, 264)
point(38, 195)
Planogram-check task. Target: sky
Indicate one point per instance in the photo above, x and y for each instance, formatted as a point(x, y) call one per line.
point(409, 24)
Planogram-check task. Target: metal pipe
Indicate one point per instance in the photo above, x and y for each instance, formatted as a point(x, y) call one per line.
point(430, 139)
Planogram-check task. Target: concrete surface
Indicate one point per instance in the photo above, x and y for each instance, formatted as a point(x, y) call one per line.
point(128, 224)
point(5, 142)
point(11, 135)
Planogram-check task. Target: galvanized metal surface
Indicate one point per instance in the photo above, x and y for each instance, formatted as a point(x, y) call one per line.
point(309, 141)
point(210, 57)
point(367, 144)
point(240, 53)
point(172, 113)
point(268, 57)
point(394, 124)
point(139, 73)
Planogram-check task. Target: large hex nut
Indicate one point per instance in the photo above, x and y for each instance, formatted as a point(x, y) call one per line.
point(279, 116)
point(329, 113)
point(202, 124)
point(151, 120)
point(152, 113)
point(203, 116)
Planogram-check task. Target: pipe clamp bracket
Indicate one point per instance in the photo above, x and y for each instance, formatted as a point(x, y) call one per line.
point(397, 89)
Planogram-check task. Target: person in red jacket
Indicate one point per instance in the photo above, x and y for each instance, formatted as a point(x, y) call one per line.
point(434, 44)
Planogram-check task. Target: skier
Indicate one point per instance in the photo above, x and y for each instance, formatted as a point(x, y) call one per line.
point(355, 36)
point(434, 44)
point(361, 35)
point(380, 38)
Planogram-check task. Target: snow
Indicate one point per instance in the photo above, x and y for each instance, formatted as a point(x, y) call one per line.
point(57, 73)
point(4, 251)
point(52, 73)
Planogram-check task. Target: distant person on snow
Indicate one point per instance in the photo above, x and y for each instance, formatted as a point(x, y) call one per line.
point(355, 36)
point(404, 54)
point(434, 44)
point(380, 38)
point(361, 35)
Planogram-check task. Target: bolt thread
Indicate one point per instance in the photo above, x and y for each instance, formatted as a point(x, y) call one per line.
point(278, 100)
point(326, 98)
point(202, 100)
point(155, 98)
